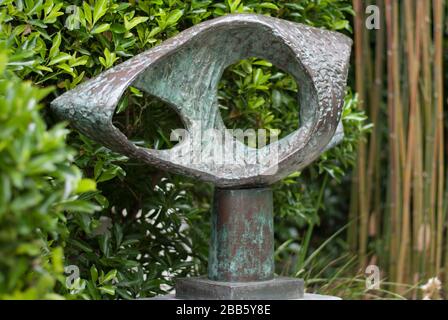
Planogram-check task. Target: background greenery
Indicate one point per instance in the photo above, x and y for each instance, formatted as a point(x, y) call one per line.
point(399, 190)
point(67, 201)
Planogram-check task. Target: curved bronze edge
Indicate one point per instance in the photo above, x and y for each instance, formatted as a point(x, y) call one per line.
point(184, 71)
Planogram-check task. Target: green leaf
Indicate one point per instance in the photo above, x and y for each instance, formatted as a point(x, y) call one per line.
point(26, 201)
point(122, 105)
point(110, 290)
point(154, 32)
point(262, 63)
point(3, 62)
point(109, 174)
point(79, 206)
point(83, 246)
point(233, 5)
point(55, 47)
point(173, 17)
point(66, 68)
point(258, 74)
point(104, 242)
point(341, 24)
point(109, 276)
point(38, 23)
point(87, 12)
point(117, 28)
point(247, 66)
point(93, 291)
point(134, 22)
point(44, 68)
point(60, 58)
point(101, 28)
point(99, 10)
point(93, 273)
point(268, 5)
point(86, 185)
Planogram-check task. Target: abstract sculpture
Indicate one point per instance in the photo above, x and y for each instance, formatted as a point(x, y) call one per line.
point(184, 71)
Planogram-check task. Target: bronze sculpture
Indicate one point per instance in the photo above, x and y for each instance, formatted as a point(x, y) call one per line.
point(184, 71)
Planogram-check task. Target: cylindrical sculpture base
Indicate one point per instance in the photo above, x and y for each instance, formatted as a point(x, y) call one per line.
point(242, 237)
point(241, 260)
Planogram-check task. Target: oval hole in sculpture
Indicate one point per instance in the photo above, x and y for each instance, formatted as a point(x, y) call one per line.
point(252, 95)
point(146, 120)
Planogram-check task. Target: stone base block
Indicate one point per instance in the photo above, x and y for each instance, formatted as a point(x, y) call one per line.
point(201, 288)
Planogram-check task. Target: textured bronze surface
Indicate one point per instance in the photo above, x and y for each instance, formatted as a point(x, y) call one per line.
point(242, 240)
point(184, 71)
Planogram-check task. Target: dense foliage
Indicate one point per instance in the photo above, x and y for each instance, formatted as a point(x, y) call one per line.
point(39, 189)
point(127, 228)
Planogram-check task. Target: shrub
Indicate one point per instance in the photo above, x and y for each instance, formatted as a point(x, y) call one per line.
point(38, 187)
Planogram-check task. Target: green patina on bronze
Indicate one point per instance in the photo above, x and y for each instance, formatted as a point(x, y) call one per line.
point(242, 240)
point(184, 71)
